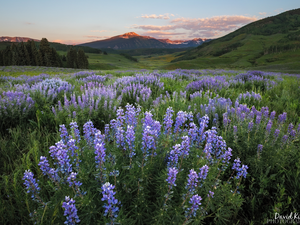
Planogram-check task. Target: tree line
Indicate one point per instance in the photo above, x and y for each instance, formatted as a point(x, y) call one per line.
point(31, 54)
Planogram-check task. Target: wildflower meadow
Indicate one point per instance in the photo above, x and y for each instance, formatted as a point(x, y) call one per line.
point(148, 147)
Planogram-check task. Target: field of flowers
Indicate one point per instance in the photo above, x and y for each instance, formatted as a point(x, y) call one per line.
point(148, 147)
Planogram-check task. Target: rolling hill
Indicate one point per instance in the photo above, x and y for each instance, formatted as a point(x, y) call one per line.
point(273, 42)
point(132, 40)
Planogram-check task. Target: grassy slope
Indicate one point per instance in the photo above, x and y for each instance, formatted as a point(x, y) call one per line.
point(253, 42)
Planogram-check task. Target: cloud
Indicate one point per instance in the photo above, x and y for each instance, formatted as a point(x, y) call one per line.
point(100, 31)
point(28, 23)
point(153, 27)
point(262, 13)
point(157, 32)
point(210, 27)
point(165, 16)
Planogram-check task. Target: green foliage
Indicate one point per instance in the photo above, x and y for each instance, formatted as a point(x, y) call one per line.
point(129, 57)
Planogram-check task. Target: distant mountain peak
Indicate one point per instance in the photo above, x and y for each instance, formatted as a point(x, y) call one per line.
point(129, 35)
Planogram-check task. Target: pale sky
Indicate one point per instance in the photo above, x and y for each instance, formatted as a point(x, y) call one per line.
point(75, 22)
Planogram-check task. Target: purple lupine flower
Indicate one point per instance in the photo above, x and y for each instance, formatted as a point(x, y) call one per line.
point(168, 122)
point(203, 172)
point(75, 130)
point(131, 115)
point(147, 141)
point(192, 211)
point(276, 133)
point(110, 207)
point(120, 138)
point(70, 211)
point(100, 155)
point(31, 184)
point(290, 128)
point(88, 130)
point(236, 164)
point(227, 156)
point(172, 177)
point(269, 126)
point(64, 133)
point(282, 118)
point(173, 156)
point(192, 181)
point(272, 116)
point(72, 180)
point(259, 148)
point(185, 146)
point(250, 126)
point(210, 194)
point(242, 172)
point(60, 153)
point(193, 132)
point(284, 139)
point(120, 117)
point(130, 137)
point(45, 168)
point(258, 119)
point(180, 120)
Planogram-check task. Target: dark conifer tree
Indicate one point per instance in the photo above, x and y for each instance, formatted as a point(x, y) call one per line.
point(45, 52)
point(81, 59)
point(1, 58)
point(15, 55)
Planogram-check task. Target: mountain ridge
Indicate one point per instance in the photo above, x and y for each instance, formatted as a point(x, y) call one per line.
point(16, 39)
point(132, 40)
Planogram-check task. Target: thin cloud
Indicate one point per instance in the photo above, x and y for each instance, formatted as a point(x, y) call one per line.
point(28, 23)
point(165, 16)
point(157, 32)
point(99, 31)
point(210, 27)
point(262, 13)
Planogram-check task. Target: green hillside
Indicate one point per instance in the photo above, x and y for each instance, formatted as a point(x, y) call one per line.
point(272, 43)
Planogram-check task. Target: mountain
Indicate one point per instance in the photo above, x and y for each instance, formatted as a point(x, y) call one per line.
point(7, 41)
point(16, 39)
point(132, 40)
point(265, 43)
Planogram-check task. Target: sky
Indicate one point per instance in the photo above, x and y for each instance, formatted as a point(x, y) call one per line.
point(75, 22)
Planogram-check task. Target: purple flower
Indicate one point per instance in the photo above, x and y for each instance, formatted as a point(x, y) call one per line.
point(64, 133)
point(72, 180)
point(173, 156)
point(203, 172)
point(185, 146)
point(269, 126)
point(70, 211)
point(192, 181)
point(192, 211)
point(50, 172)
point(88, 130)
point(172, 177)
point(31, 185)
point(76, 132)
point(250, 126)
point(168, 122)
point(236, 164)
point(130, 137)
point(110, 207)
point(242, 172)
point(282, 118)
point(210, 194)
point(180, 120)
